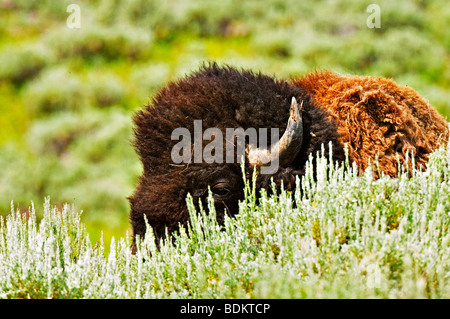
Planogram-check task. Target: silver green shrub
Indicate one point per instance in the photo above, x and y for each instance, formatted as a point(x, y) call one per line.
point(340, 236)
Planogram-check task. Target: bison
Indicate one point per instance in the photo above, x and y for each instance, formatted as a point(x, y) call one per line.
point(374, 117)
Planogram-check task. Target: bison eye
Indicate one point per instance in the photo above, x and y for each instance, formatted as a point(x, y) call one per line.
point(220, 191)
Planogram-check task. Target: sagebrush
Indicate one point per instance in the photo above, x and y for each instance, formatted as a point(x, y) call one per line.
point(342, 236)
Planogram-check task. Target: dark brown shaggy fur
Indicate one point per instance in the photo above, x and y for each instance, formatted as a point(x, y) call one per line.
point(374, 116)
point(221, 98)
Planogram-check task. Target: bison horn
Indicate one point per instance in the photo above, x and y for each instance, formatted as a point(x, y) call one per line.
point(287, 147)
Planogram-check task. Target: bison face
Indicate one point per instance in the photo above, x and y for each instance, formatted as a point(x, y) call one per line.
point(221, 99)
point(226, 186)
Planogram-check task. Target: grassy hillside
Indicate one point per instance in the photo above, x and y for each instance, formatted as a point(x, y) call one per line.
point(340, 236)
point(67, 95)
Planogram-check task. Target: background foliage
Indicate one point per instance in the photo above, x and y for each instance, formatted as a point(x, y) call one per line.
point(67, 95)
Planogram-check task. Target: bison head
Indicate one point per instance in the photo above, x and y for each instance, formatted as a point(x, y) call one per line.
point(221, 98)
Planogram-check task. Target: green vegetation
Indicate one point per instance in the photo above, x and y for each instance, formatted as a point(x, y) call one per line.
point(67, 95)
point(340, 236)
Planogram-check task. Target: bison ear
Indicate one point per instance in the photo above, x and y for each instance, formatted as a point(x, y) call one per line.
point(286, 149)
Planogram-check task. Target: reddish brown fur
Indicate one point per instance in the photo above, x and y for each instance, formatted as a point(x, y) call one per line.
point(377, 118)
